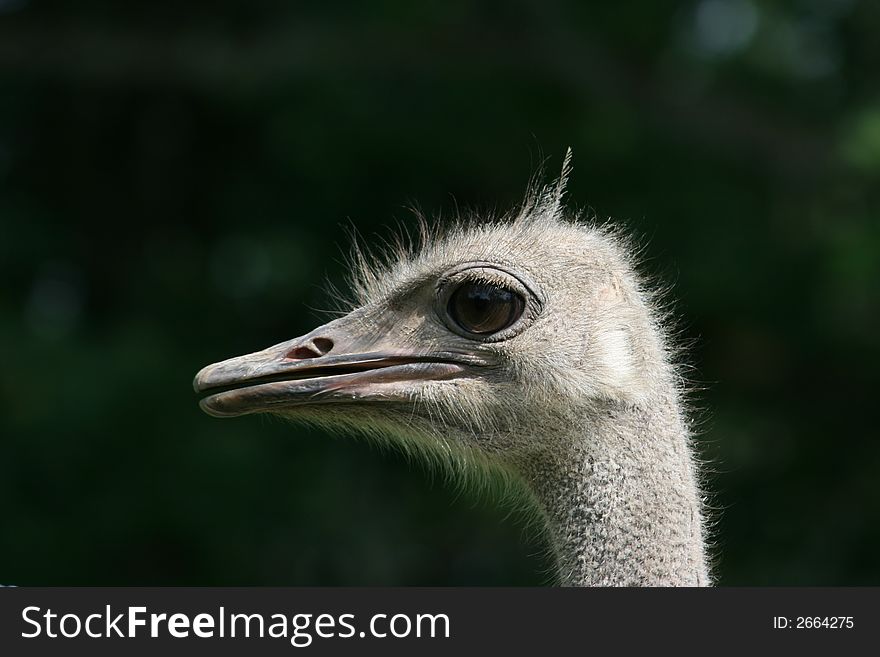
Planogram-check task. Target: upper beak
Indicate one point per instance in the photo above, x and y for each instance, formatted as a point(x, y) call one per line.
point(329, 364)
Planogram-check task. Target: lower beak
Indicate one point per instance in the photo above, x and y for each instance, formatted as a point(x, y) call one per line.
point(275, 379)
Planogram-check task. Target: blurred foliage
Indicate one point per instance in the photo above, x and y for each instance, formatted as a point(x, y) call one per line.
point(175, 179)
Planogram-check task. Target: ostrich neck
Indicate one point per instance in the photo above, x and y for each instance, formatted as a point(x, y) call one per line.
point(621, 500)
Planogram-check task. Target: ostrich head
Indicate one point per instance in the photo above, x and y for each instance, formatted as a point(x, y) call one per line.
point(467, 346)
point(524, 345)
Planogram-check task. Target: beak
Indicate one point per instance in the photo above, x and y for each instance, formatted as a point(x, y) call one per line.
point(334, 363)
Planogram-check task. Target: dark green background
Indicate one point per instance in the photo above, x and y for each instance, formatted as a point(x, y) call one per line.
point(174, 184)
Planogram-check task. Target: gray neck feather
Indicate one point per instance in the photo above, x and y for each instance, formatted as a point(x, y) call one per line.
point(621, 500)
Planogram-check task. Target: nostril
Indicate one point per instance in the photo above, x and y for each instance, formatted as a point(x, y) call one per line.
point(323, 345)
point(314, 349)
point(302, 353)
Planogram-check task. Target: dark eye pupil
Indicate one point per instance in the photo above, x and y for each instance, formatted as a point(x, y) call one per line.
point(483, 309)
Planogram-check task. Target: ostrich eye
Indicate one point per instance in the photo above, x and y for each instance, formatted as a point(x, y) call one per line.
point(483, 309)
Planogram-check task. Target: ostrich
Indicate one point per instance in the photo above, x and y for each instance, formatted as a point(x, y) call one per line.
point(525, 346)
